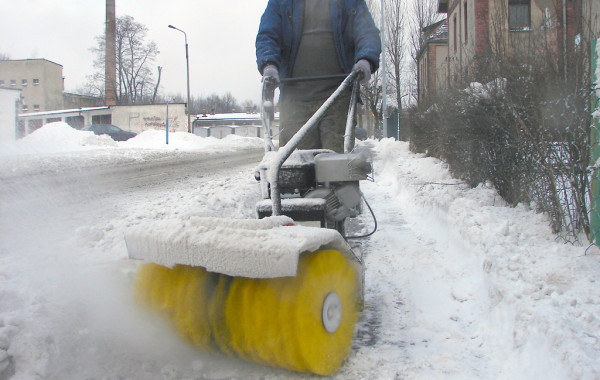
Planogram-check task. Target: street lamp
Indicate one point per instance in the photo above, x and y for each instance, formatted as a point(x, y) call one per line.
point(383, 76)
point(187, 60)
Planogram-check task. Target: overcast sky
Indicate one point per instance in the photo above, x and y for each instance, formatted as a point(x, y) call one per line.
point(221, 35)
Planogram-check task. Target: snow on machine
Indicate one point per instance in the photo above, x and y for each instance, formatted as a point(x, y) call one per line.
point(272, 290)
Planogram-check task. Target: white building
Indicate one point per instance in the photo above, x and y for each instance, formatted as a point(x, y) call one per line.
point(10, 103)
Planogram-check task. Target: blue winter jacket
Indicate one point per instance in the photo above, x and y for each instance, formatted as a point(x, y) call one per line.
point(354, 34)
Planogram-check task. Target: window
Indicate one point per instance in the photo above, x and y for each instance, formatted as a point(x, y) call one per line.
point(519, 15)
point(36, 82)
point(36, 107)
point(455, 32)
point(466, 24)
point(1, 83)
point(25, 108)
point(13, 82)
point(76, 122)
point(23, 82)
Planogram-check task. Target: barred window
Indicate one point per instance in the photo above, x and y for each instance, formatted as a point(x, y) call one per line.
point(466, 22)
point(519, 15)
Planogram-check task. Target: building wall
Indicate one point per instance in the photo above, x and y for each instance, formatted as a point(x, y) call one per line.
point(81, 101)
point(591, 16)
point(139, 118)
point(40, 82)
point(480, 27)
point(433, 69)
point(441, 67)
point(423, 74)
point(10, 101)
point(432, 74)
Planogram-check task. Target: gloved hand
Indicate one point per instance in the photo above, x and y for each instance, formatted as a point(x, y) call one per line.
point(270, 71)
point(365, 69)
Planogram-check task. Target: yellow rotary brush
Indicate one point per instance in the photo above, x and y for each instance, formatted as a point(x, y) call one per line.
point(303, 323)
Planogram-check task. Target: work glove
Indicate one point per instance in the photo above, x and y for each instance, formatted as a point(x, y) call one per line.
point(270, 72)
point(365, 70)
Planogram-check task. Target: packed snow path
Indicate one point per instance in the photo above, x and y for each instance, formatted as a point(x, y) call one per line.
point(458, 286)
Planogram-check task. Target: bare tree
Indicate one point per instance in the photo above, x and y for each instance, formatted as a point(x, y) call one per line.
point(249, 106)
point(371, 95)
point(230, 103)
point(396, 49)
point(134, 58)
point(157, 84)
point(4, 57)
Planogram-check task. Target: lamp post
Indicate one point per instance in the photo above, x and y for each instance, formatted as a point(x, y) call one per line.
point(383, 76)
point(187, 60)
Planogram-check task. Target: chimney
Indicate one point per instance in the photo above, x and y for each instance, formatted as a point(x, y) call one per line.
point(110, 56)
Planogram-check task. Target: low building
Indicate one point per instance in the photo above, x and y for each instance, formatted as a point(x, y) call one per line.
point(136, 118)
point(241, 124)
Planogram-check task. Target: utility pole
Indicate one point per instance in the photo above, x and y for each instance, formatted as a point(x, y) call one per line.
point(383, 76)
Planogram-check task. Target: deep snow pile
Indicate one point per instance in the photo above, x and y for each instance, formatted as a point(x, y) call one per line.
point(539, 311)
point(56, 146)
point(458, 285)
point(59, 137)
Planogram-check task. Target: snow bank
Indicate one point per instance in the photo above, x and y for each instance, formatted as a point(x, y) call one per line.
point(544, 303)
point(156, 139)
point(57, 147)
point(56, 138)
point(59, 137)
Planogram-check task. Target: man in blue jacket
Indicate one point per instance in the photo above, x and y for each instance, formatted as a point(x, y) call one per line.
point(306, 38)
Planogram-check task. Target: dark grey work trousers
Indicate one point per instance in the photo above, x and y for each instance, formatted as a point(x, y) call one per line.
point(328, 134)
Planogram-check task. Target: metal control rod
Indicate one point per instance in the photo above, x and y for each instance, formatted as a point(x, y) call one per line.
point(286, 151)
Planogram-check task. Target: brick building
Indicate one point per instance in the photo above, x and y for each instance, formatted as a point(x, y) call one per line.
point(432, 69)
point(523, 30)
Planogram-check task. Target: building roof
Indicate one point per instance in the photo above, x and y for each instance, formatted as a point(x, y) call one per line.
point(31, 59)
point(229, 116)
point(47, 113)
point(434, 33)
point(437, 31)
point(10, 89)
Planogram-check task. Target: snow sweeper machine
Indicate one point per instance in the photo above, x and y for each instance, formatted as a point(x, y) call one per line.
point(271, 290)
